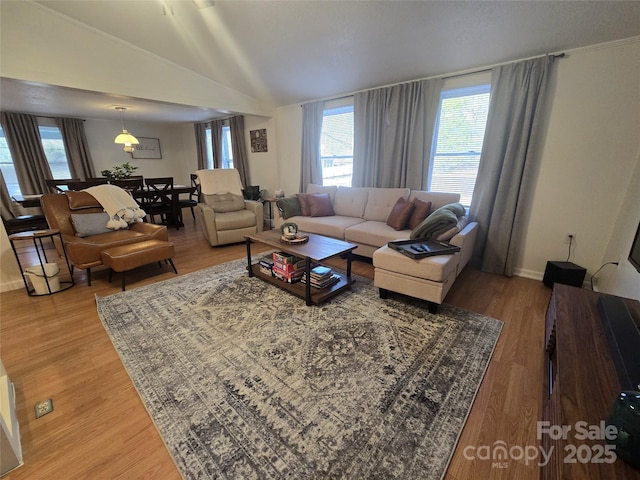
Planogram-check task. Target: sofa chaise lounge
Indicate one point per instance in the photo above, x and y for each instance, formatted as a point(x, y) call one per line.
point(361, 215)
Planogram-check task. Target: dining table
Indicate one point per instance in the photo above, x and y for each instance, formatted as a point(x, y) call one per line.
point(175, 217)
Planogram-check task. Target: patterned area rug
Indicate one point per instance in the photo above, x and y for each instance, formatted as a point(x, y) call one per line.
point(244, 381)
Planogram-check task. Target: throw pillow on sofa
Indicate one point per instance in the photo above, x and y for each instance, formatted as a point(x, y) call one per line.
point(400, 214)
point(288, 207)
point(320, 205)
point(315, 204)
point(439, 222)
point(302, 200)
point(420, 212)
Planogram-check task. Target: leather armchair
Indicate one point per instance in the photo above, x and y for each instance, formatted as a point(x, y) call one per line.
point(84, 252)
point(223, 214)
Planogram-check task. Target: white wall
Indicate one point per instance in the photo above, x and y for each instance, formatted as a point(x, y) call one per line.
point(623, 280)
point(588, 160)
point(177, 145)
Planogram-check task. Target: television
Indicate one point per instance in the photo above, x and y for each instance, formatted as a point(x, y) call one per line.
point(634, 254)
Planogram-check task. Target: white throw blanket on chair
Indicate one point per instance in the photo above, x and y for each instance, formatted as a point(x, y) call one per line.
point(120, 206)
point(220, 180)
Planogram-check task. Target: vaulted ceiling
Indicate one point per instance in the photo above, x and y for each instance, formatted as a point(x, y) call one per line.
point(286, 52)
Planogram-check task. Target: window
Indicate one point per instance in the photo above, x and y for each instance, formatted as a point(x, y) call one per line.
point(54, 151)
point(8, 170)
point(53, 146)
point(458, 138)
point(227, 151)
point(336, 146)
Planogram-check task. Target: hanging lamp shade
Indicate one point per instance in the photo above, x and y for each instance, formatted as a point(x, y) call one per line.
point(125, 138)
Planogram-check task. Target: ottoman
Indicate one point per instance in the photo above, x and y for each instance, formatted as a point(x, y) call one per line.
point(427, 278)
point(128, 257)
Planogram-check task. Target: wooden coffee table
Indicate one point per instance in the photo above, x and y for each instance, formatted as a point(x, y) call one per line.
point(317, 249)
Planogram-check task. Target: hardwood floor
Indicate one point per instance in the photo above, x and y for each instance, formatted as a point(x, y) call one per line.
point(55, 347)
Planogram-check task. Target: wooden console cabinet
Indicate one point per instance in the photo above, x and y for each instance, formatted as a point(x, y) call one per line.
point(580, 385)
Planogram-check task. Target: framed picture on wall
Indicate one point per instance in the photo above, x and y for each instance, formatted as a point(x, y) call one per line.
point(258, 140)
point(147, 148)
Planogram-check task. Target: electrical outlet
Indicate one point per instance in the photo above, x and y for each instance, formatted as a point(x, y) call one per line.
point(569, 237)
point(44, 407)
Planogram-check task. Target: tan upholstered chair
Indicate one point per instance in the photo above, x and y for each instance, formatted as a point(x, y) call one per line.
point(223, 213)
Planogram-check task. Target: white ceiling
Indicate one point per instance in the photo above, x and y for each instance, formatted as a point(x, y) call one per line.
point(287, 52)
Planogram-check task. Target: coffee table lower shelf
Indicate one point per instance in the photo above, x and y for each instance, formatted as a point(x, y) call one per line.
point(317, 295)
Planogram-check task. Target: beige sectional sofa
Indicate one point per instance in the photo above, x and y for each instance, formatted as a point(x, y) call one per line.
point(360, 216)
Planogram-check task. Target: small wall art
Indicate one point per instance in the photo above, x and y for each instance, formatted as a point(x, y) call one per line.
point(258, 140)
point(147, 148)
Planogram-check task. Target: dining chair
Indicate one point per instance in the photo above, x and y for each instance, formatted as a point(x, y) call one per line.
point(131, 185)
point(59, 185)
point(157, 198)
point(89, 182)
point(194, 196)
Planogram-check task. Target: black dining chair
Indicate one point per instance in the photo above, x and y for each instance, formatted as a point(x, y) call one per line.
point(194, 196)
point(59, 185)
point(131, 185)
point(157, 198)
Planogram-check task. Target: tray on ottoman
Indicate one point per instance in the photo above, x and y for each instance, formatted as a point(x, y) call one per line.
point(421, 248)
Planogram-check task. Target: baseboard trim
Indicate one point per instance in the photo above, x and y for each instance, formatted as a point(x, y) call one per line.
point(532, 274)
point(11, 285)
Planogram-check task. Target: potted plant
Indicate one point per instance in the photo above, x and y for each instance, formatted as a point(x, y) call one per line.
point(119, 172)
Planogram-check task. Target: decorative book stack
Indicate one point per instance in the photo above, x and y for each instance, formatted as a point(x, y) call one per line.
point(287, 268)
point(322, 277)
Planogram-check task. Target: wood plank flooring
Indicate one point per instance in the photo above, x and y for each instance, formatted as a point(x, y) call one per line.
point(55, 347)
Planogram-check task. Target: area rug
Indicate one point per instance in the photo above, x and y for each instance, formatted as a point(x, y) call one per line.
point(244, 381)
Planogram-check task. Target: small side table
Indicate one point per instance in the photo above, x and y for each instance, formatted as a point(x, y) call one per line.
point(36, 236)
point(270, 201)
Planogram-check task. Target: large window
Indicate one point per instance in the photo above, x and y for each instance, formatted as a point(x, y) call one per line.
point(336, 146)
point(8, 170)
point(53, 146)
point(458, 138)
point(227, 151)
point(54, 151)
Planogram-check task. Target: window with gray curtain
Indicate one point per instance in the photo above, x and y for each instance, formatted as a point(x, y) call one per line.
point(213, 146)
point(509, 161)
point(393, 130)
point(311, 168)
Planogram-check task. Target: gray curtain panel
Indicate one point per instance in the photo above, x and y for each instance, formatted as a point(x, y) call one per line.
point(216, 142)
point(311, 171)
point(509, 160)
point(6, 206)
point(239, 147)
point(393, 131)
point(76, 146)
point(200, 130)
point(23, 139)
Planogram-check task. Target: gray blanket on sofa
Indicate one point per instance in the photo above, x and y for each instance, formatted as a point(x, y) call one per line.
point(440, 221)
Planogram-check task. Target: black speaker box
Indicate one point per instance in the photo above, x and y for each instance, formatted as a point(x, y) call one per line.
point(566, 273)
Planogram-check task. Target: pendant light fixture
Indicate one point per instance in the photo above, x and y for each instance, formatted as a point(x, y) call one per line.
point(125, 138)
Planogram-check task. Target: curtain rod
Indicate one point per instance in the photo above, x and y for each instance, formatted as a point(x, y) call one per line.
point(444, 77)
